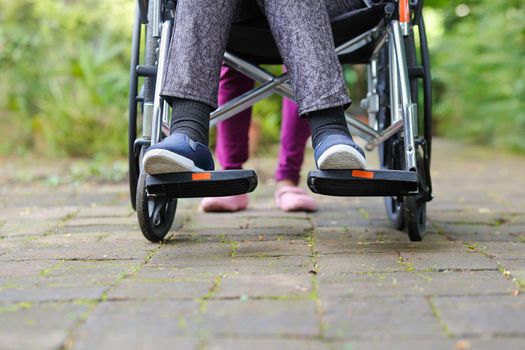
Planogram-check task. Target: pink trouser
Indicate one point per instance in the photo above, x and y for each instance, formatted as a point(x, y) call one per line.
point(232, 134)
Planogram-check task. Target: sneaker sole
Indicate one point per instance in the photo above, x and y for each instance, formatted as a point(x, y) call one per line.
point(341, 157)
point(159, 161)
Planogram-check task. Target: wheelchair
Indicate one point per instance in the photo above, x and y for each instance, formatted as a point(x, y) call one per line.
point(382, 35)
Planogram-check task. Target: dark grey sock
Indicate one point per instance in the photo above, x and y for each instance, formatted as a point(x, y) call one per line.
point(191, 118)
point(326, 122)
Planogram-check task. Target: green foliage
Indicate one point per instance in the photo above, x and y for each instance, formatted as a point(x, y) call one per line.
point(479, 73)
point(64, 76)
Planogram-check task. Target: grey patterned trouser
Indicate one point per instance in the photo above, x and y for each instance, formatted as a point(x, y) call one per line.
point(301, 29)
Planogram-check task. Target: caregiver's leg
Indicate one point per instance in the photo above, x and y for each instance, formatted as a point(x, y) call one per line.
point(294, 134)
point(232, 134)
point(232, 146)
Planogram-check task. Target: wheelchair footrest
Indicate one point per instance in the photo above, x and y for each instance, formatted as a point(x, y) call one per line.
point(202, 184)
point(363, 183)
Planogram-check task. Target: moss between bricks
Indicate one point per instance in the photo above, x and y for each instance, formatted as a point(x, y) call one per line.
point(518, 282)
point(437, 315)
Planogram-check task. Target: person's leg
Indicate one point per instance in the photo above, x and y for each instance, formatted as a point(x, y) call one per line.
point(191, 84)
point(294, 135)
point(232, 134)
point(232, 145)
point(302, 31)
point(303, 34)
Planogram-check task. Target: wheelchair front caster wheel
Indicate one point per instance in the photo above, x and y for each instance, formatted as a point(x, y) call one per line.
point(155, 215)
point(395, 211)
point(415, 218)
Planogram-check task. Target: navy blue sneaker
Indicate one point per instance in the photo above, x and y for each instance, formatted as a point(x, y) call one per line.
point(339, 152)
point(177, 153)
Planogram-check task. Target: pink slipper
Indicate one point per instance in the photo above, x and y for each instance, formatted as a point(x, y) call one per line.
point(291, 198)
point(228, 204)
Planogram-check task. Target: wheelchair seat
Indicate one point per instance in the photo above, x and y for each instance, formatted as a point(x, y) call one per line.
point(252, 39)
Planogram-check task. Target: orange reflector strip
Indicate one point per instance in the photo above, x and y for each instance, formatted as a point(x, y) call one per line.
point(200, 176)
point(363, 174)
point(404, 11)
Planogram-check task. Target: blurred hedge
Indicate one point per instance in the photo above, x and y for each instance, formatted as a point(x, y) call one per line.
point(479, 73)
point(64, 75)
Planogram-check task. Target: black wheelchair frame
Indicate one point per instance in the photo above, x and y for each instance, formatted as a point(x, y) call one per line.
point(400, 125)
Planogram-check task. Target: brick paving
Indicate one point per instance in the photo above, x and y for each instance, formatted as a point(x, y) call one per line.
point(77, 274)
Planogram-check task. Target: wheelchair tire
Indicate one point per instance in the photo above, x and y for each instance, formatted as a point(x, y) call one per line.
point(408, 212)
point(415, 207)
point(155, 215)
point(133, 165)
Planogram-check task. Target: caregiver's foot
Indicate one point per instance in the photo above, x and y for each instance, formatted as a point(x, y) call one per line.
point(339, 152)
point(228, 204)
point(291, 198)
point(177, 153)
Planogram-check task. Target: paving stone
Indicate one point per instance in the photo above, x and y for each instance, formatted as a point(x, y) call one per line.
point(102, 228)
point(241, 265)
point(352, 247)
point(103, 221)
point(248, 234)
point(63, 280)
point(482, 233)
point(491, 344)
point(212, 221)
point(24, 227)
point(365, 318)
point(83, 247)
point(265, 343)
point(29, 290)
point(273, 248)
point(137, 325)
point(105, 211)
point(28, 326)
point(301, 224)
point(448, 261)
point(260, 318)
point(37, 213)
point(155, 283)
point(483, 316)
point(24, 268)
point(480, 215)
point(266, 286)
point(396, 344)
point(415, 283)
point(504, 250)
point(343, 263)
point(156, 319)
point(140, 341)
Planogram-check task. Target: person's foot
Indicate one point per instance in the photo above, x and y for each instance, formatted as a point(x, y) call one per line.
point(177, 153)
point(289, 198)
point(339, 152)
point(228, 204)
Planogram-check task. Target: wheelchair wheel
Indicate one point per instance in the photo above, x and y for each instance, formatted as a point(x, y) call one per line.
point(155, 215)
point(133, 109)
point(415, 207)
point(147, 91)
point(408, 212)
